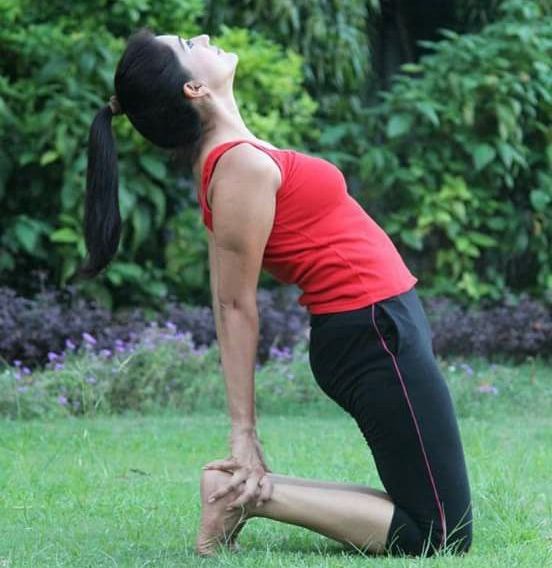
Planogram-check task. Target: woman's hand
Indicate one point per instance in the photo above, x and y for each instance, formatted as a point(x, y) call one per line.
point(246, 463)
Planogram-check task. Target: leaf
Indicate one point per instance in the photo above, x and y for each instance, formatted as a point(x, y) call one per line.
point(68, 267)
point(539, 199)
point(412, 67)
point(481, 239)
point(64, 235)
point(332, 135)
point(158, 197)
point(496, 223)
point(87, 61)
point(412, 239)
point(156, 168)
point(27, 234)
point(399, 125)
point(48, 157)
point(464, 245)
point(507, 153)
point(127, 199)
point(61, 140)
point(119, 270)
point(482, 155)
point(428, 111)
point(141, 223)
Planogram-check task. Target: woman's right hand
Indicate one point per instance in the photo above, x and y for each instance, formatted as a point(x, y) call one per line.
point(246, 463)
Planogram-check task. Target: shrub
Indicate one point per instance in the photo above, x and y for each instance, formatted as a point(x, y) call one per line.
point(517, 328)
point(55, 322)
point(164, 371)
point(55, 74)
point(161, 369)
point(461, 158)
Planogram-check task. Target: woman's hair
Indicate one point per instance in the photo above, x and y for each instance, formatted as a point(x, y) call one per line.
point(148, 85)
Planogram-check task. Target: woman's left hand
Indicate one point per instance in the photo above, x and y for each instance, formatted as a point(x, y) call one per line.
point(246, 464)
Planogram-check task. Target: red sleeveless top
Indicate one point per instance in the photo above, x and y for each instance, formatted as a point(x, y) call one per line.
point(322, 240)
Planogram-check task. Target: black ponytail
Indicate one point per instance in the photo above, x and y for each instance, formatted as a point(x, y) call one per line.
point(102, 218)
point(148, 87)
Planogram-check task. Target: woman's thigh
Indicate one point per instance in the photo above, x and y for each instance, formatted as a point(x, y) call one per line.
point(377, 363)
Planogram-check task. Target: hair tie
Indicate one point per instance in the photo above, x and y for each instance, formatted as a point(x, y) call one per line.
point(114, 105)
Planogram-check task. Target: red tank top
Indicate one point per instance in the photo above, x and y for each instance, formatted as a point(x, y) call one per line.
point(322, 240)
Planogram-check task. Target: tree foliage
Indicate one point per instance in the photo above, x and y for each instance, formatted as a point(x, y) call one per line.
point(56, 72)
point(454, 159)
point(462, 158)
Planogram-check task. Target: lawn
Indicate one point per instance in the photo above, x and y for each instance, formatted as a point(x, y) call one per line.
point(123, 490)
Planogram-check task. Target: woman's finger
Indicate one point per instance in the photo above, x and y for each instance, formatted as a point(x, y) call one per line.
point(235, 482)
point(266, 490)
point(248, 494)
point(226, 463)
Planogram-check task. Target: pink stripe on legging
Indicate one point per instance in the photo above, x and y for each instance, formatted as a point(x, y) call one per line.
point(395, 364)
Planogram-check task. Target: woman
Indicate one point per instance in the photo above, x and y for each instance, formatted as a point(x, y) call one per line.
point(370, 344)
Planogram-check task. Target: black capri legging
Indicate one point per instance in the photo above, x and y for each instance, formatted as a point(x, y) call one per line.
point(377, 363)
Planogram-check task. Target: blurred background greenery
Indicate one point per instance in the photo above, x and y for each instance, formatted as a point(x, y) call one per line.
point(439, 114)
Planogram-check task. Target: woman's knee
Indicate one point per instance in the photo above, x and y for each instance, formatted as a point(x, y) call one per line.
point(460, 539)
point(407, 537)
point(457, 541)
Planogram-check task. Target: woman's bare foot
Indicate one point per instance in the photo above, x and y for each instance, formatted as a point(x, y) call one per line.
point(218, 526)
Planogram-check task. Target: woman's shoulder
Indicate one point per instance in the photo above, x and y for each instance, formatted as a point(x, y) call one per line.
point(243, 162)
point(243, 157)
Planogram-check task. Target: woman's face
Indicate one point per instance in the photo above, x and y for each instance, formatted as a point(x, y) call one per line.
point(207, 63)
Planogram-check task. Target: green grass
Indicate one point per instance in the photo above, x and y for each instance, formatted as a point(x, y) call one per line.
point(123, 490)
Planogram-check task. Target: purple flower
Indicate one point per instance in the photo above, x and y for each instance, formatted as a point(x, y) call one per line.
point(89, 338)
point(62, 399)
point(91, 380)
point(58, 366)
point(467, 368)
point(17, 362)
point(290, 376)
point(26, 370)
point(280, 354)
point(105, 353)
point(170, 325)
point(22, 389)
point(52, 356)
point(70, 345)
point(487, 389)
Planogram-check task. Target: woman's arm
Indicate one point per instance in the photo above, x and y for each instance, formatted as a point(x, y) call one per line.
point(243, 210)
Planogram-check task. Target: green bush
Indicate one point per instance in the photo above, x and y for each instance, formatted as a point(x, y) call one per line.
point(164, 372)
point(160, 371)
point(462, 158)
point(57, 73)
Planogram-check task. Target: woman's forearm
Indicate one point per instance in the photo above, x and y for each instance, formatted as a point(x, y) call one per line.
point(238, 336)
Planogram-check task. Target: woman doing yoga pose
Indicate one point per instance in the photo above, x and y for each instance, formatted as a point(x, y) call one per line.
point(370, 344)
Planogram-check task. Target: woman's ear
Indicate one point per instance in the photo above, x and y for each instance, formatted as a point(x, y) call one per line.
point(195, 89)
